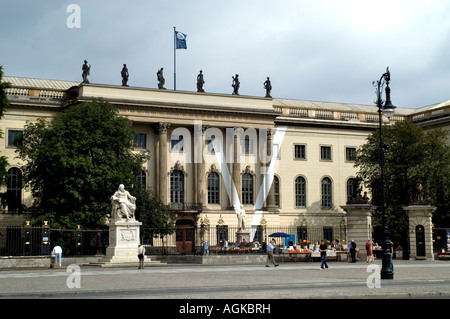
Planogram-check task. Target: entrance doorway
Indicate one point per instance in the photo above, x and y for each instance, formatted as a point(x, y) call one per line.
point(420, 241)
point(185, 235)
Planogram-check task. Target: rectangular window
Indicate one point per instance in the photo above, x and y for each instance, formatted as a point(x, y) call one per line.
point(350, 154)
point(247, 189)
point(299, 151)
point(247, 146)
point(213, 188)
point(325, 153)
point(140, 140)
point(12, 135)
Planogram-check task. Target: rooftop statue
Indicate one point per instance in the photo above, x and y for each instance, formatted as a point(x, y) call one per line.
point(268, 87)
point(200, 82)
point(125, 75)
point(161, 80)
point(86, 71)
point(236, 84)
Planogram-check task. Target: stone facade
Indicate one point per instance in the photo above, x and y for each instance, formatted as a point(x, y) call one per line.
point(307, 182)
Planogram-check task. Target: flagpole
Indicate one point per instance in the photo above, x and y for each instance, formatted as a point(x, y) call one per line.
point(174, 59)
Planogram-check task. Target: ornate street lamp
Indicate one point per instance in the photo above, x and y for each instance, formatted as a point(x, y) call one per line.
point(387, 270)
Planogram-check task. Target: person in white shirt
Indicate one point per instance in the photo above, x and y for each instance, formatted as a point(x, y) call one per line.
point(57, 252)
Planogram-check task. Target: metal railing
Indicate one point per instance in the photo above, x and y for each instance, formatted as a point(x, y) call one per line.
point(36, 241)
point(187, 239)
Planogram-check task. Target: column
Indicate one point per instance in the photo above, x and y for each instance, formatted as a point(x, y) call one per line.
point(201, 173)
point(236, 167)
point(162, 129)
point(271, 195)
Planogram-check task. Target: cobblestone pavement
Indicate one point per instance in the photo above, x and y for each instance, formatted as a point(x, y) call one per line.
point(412, 279)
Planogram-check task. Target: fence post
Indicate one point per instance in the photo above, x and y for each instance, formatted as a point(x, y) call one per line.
point(79, 236)
point(45, 239)
point(27, 231)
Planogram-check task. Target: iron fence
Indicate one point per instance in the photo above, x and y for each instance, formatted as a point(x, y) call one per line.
point(186, 239)
point(192, 239)
point(35, 241)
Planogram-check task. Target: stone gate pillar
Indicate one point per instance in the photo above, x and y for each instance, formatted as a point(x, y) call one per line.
point(359, 225)
point(420, 232)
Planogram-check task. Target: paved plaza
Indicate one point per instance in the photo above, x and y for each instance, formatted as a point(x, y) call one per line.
point(300, 280)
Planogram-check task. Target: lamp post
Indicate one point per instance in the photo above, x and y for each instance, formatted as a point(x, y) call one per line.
point(387, 270)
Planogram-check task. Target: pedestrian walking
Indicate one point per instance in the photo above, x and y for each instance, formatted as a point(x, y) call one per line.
point(270, 248)
point(353, 251)
point(141, 253)
point(369, 251)
point(323, 255)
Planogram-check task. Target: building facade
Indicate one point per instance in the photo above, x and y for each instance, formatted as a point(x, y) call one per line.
point(289, 163)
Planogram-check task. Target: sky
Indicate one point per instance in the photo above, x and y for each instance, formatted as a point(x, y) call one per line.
point(320, 50)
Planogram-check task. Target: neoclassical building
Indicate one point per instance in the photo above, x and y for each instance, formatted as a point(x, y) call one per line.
point(289, 163)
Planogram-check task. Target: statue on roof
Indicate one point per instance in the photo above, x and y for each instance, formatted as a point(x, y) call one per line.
point(236, 84)
point(200, 82)
point(268, 87)
point(161, 80)
point(86, 71)
point(125, 75)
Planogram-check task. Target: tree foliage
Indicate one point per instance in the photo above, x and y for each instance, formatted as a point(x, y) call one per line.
point(4, 103)
point(75, 162)
point(411, 155)
point(156, 217)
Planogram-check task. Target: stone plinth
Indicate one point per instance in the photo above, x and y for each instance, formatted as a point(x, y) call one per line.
point(124, 239)
point(359, 225)
point(242, 235)
point(420, 232)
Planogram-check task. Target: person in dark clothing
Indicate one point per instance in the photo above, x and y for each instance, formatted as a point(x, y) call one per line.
point(323, 255)
point(353, 251)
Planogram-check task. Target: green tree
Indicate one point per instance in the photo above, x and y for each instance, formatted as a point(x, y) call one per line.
point(75, 162)
point(156, 217)
point(411, 154)
point(4, 103)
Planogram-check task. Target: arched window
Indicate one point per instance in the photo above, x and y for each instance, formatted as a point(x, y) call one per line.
point(327, 193)
point(247, 188)
point(350, 189)
point(213, 188)
point(176, 186)
point(300, 192)
point(14, 190)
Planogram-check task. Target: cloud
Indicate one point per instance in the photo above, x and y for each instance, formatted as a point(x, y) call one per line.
point(317, 50)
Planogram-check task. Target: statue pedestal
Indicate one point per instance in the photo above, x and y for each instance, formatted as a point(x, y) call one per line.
point(359, 225)
point(124, 239)
point(242, 235)
point(420, 231)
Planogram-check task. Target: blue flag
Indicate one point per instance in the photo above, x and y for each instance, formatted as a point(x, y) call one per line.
point(180, 40)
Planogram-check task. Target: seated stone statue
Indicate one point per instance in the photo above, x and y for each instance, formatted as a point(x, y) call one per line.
point(123, 204)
